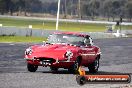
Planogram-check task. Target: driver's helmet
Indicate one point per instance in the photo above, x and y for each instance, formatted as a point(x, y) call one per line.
point(87, 41)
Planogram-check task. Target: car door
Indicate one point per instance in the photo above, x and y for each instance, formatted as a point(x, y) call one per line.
point(89, 53)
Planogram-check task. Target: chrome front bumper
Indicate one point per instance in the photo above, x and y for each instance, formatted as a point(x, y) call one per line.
point(57, 61)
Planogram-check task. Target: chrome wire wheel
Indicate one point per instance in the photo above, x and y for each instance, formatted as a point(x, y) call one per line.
point(96, 63)
point(74, 68)
point(93, 67)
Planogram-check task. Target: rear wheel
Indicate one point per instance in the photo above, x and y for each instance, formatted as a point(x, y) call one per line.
point(74, 68)
point(93, 67)
point(53, 69)
point(31, 68)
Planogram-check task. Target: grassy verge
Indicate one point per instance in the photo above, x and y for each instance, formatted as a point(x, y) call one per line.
point(50, 25)
point(21, 39)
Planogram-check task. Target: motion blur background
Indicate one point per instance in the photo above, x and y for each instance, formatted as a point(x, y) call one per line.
point(110, 10)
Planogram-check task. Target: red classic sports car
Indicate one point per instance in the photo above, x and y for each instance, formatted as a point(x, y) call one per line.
point(64, 50)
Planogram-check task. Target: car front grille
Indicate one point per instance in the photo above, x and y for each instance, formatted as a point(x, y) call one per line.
point(50, 60)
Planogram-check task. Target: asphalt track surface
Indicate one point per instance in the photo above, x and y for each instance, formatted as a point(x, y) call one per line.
point(116, 58)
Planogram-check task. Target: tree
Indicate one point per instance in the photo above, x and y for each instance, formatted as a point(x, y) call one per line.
point(107, 5)
point(2, 6)
point(129, 9)
point(94, 7)
point(90, 8)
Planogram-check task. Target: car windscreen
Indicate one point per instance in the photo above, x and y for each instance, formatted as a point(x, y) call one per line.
point(66, 38)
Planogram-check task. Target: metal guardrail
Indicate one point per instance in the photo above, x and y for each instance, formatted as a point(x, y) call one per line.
point(45, 33)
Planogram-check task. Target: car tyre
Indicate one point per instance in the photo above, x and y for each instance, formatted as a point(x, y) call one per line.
point(31, 68)
point(75, 66)
point(93, 67)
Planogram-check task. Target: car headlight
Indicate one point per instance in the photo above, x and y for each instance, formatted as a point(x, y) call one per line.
point(28, 51)
point(68, 54)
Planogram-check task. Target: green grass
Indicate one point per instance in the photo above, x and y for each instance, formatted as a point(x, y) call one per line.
point(50, 25)
point(21, 39)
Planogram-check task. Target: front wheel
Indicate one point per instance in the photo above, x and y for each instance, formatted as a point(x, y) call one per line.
point(31, 68)
point(75, 66)
point(93, 67)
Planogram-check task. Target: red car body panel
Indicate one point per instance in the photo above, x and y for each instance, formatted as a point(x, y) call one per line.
point(56, 54)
